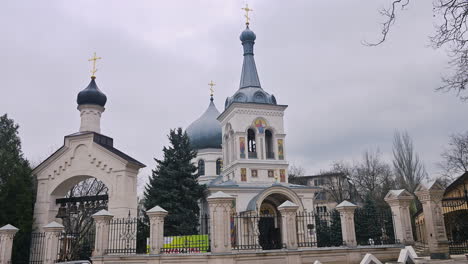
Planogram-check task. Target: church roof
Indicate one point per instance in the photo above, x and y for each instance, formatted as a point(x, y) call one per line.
point(91, 95)
point(205, 132)
point(104, 141)
point(250, 90)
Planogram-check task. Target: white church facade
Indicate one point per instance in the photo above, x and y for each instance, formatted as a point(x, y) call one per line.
point(242, 151)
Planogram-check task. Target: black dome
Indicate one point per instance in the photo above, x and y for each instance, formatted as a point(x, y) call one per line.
point(91, 95)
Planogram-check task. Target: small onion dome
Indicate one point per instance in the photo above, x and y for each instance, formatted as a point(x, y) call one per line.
point(247, 35)
point(91, 95)
point(205, 132)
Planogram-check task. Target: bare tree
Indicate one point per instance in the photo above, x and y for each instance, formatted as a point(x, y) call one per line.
point(455, 157)
point(295, 171)
point(409, 169)
point(372, 176)
point(451, 24)
point(337, 184)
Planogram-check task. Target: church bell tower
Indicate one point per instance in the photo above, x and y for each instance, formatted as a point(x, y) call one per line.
point(253, 136)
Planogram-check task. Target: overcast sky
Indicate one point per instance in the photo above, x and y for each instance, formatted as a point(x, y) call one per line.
point(158, 57)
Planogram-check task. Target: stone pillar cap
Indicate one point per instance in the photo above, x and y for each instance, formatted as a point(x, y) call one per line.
point(53, 225)
point(434, 185)
point(288, 205)
point(8, 227)
point(346, 204)
point(398, 194)
point(156, 209)
point(219, 195)
point(103, 212)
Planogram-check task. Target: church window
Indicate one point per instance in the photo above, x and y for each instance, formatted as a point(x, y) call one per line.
point(219, 166)
point(251, 144)
point(201, 167)
point(269, 144)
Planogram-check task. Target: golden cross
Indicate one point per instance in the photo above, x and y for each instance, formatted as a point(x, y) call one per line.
point(211, 84)
point(247, 10)
point(94, 59)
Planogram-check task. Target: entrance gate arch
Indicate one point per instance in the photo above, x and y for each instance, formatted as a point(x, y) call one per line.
point(86, 155)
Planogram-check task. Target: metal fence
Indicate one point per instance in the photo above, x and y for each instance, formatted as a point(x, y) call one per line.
point(316, 229)
point(188, 240)
point(76, 246)
point(37, 248)
point(252, 231)
point(374, 227)
point(128, 235)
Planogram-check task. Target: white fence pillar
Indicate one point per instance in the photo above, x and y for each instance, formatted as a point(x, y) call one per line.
point(288, 212)
point(7, 233)
point(399, 201)
point(430, 195)
point(156, 216)
point(220, 205)
point(346, 210)
point(101, 237)
point(52, 235)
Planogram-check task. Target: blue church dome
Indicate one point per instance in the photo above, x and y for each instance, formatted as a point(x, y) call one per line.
point(91, 95)
point(205, 132)
point(247, 35)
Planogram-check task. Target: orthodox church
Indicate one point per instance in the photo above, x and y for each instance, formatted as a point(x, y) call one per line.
point(242, 151)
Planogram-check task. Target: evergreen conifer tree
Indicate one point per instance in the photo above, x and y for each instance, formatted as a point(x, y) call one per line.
point(174, 186)
point(16, 188)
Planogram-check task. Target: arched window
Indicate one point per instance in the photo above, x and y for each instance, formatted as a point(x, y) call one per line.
point(219, 166)
point(269, 144)
point(252, 146)
point(201, 167)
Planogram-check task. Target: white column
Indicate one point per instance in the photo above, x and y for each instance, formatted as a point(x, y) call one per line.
point(156, 216)
point(288, 212)
point(101, 237)
point(7, 233)
point(90, 117)
point(430, 195)
point(220, 206)
point(399, 201)
point(52, 235)
point(346, 210)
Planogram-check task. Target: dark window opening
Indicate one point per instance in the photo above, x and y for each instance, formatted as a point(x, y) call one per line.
point(219, 166)
point(269, 145)
point(251, 144)
point(201, 167)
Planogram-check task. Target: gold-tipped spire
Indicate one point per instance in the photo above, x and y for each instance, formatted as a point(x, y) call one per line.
point(247, 10)
point(211, 84)
point(94, 70)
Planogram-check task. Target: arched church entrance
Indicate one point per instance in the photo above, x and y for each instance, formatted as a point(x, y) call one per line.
point(266, 204)
point(269, 225)
point(85, 197)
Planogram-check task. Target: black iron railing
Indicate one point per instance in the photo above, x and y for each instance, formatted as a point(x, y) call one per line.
point(76, 246)
point(128, 235)
point(190, 241)
point(37, 248)
point(270, 155)
point(374, 227)
point(253, 231)
point(319, 229)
